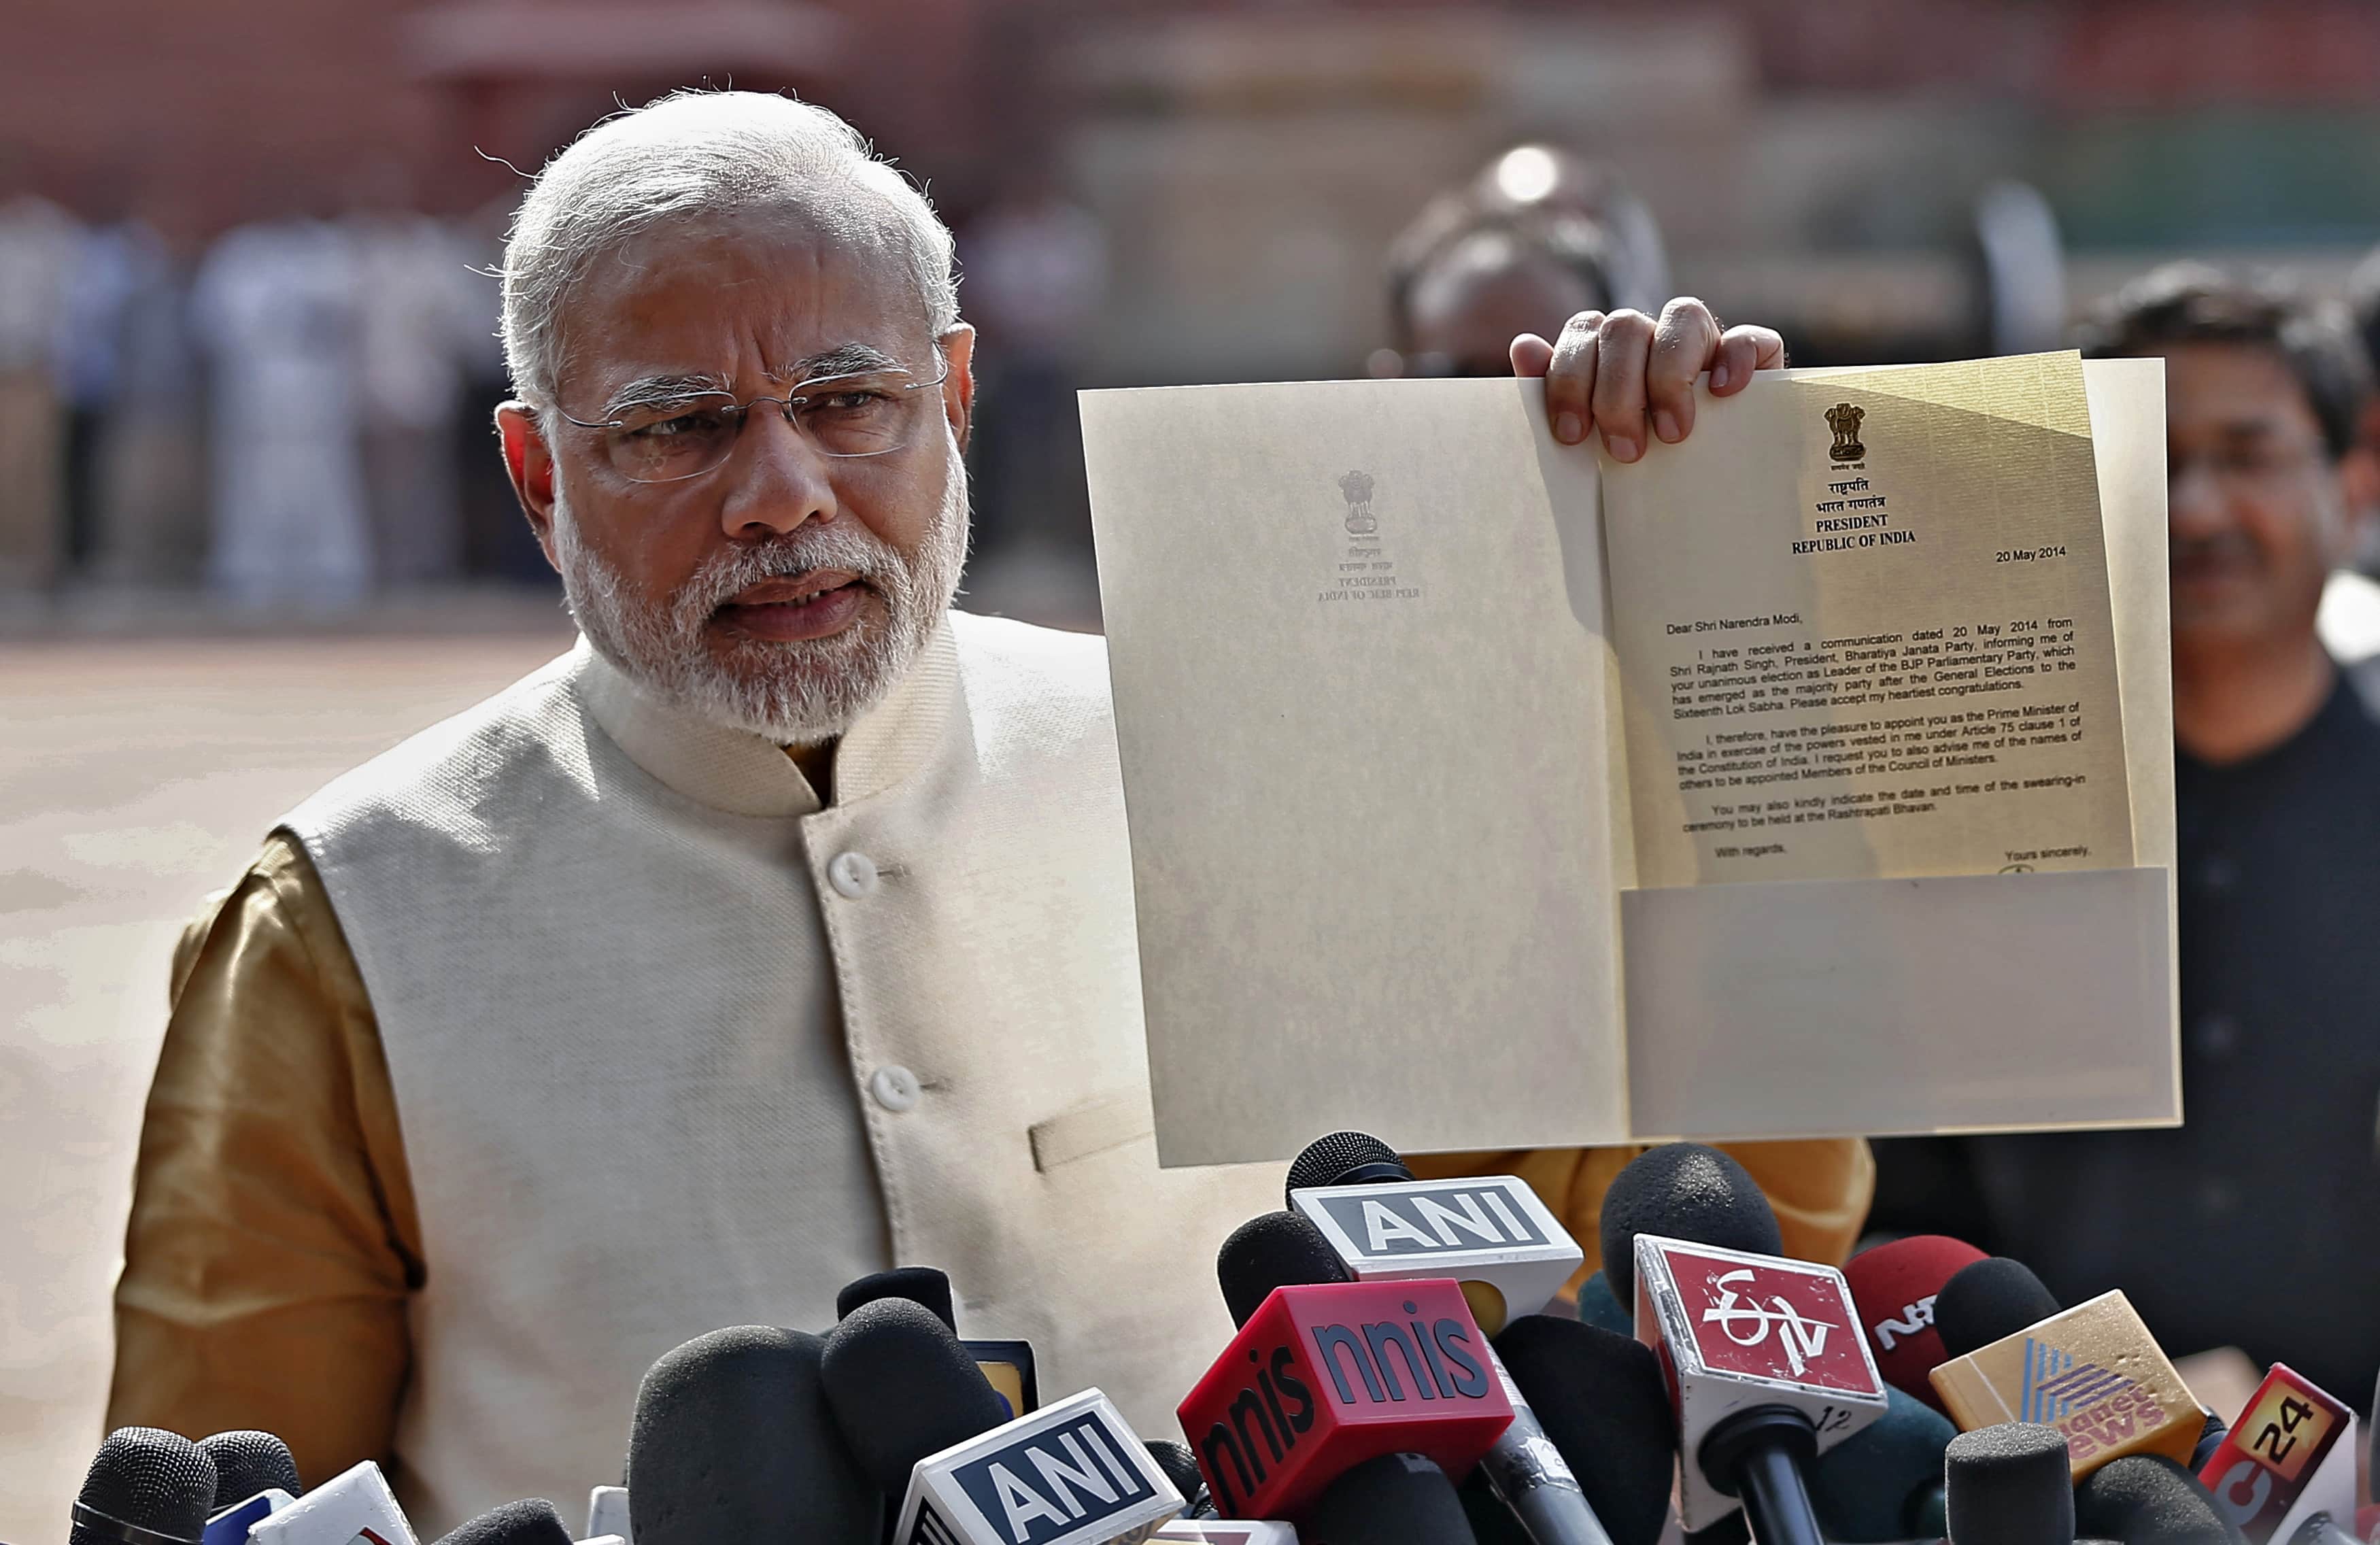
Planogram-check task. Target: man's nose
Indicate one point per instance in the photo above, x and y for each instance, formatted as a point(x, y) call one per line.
point(777, 478)
point(2197, 501)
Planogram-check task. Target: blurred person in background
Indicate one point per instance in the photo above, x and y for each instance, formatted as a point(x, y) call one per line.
point(415, 312)
point(277, 310)
point(108, 267)
point(150, 523)
point(1518, 250)
point(2256, 1223)
point(38, 243)
point(1035, 266)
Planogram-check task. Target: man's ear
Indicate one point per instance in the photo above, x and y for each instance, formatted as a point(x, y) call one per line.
point(529, 464)
point(958, 390)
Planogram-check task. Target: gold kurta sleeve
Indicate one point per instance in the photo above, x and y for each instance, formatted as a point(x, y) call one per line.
point(273, 1238)
point(1820, 1187)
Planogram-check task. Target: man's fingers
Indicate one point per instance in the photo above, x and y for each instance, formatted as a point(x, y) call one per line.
point(1743, 350)
point(1686, 342)
point(1531, 355)
point(1622, 344)
point(1571, 376)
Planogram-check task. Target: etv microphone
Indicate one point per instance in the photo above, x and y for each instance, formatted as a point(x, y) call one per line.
point(2148, 1498)
point(1769, 1370)
point(1894, 1286)
point(1884, 1483)
point(1323, 1377)
point(1071, 1473)
point(530, 1522)
point(1509, 1254)
point(1682, 1191)
point(354, 1507)
point(2009, 1485)
point(1396, 1499)
point(1990, 1300)
point(2290, 1456)
point(1600, 1401)
point(731, 1440)
point(2094, 1372)
point(145, 1486)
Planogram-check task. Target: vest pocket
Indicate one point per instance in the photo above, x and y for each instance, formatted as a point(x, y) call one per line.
point(1089, 1129)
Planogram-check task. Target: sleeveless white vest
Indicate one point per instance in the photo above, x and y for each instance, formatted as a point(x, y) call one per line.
point(674, 1048)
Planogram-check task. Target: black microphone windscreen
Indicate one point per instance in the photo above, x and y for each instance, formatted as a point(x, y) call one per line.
point(2210, 1438)
point(902, 1387)
point(1868, 1488)
point(1181, 1466)
point(148, 1478)
point(1990, 1300)
point(2147, 1496)
point(2012, 1484)
point(1682, 1191)
point(1391, 1499)
point(731, 1440)
point(247, 1462)
point(1344, 1159)
point(1602, 1402)
point(919, 1285)
point(1273, 1249)
point(532, 1521)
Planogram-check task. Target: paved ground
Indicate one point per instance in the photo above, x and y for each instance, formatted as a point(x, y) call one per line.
point(136, 775)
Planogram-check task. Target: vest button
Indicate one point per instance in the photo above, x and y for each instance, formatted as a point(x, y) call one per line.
point(852, 874)
point(895, 1088)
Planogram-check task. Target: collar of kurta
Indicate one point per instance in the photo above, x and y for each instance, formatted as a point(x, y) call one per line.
point(749, 775)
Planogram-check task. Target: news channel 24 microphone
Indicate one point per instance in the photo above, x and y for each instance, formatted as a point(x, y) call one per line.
point(2290, 1456)
point(1769, 1369)
point(2093, 1371)
point(1071, 1473)
point(1324, 1377)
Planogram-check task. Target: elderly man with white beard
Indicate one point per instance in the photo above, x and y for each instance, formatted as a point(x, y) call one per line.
point(779, 932)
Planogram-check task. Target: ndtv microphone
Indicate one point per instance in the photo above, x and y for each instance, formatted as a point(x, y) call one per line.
point(2094, 1372)
point(1322, 1378)
point(2290, 1456)
point(1069, 1474)
point(145, 1486)
point(1894, 1287)
point(1769, 1370)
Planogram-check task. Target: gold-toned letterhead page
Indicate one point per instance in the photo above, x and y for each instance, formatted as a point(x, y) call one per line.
point(1864, 630)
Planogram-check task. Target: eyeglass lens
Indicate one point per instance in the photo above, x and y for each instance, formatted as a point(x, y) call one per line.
point(849, 416)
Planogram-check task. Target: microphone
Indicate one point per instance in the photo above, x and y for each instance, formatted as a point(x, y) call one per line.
point(1226, 1531)
point(2210, 1438)
point(1008, 1365)
point(1768, 1369)
point(2292, 1455)
point(1510, 1255)
point(247, 1462)
point(230, 1527)
point(1884, 1483)
point(1396, 1499)
point(900, 1387)
point(1179, 1466)
point(1682, 1191)
point(731, 1440)
point(2322, 1529)
point(1598, 1304)
point(2145, 1498)
point(607, 1514)
point(354, 1507)
point(1894, 1286)
point(530, 1522)
point(2093, 1371)
point(2009, 1485)
point(1990, 1300)
point(1600, 1401)
point(145, 1486)
point(1273, 1249)
point(1071, 1473)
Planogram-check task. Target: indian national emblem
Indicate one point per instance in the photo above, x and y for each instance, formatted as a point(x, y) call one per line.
point(1357, 487)
point(1844, 419)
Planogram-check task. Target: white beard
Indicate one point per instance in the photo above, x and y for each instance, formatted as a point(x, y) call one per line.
point(794, 692)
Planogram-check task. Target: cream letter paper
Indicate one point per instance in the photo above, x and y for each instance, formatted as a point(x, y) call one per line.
point(1864, 630)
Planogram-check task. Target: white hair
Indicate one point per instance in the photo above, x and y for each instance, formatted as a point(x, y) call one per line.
point(694, 155)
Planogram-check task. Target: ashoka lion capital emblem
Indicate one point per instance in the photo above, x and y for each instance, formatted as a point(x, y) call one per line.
point(1844, 419)
point(1357, 489)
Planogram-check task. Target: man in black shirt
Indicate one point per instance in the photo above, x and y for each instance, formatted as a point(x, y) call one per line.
point(2257, 1222)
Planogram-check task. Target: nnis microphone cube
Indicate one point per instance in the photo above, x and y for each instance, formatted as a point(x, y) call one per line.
point(1070, 1473)
point(1740, 1333)
point(1490, 1232)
